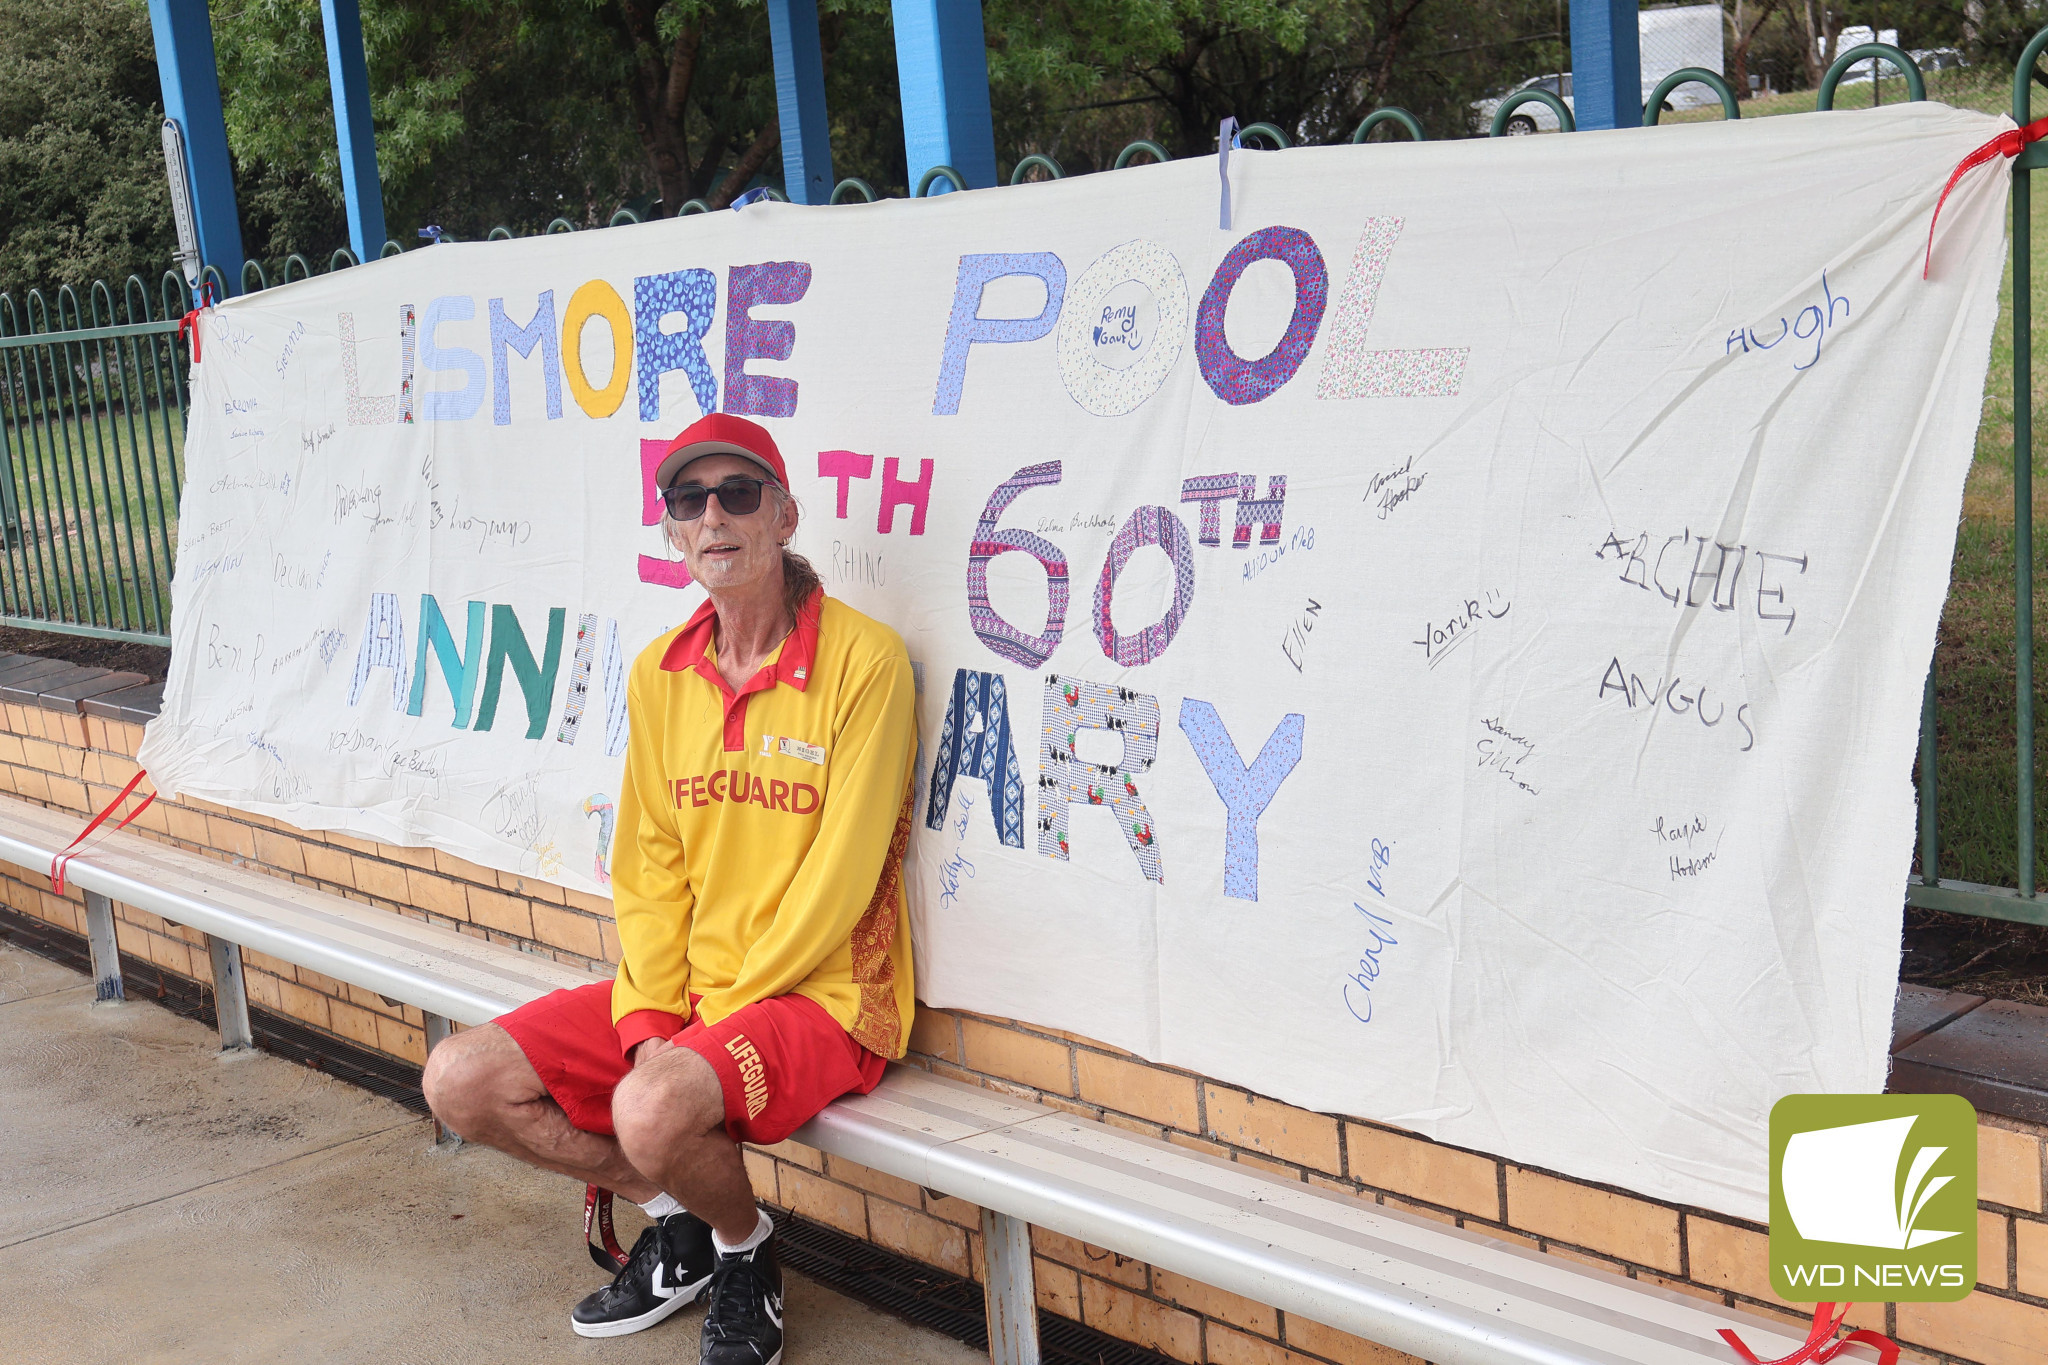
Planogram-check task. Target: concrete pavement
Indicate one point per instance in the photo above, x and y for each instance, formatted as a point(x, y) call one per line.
point(161, 1203)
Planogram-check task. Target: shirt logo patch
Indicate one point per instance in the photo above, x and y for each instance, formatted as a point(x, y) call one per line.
point(809, 753)
point(791, 747)
point(753, 1074)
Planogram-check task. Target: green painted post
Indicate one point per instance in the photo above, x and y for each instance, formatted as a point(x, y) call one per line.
point(2023, 509)
point(2023, 466)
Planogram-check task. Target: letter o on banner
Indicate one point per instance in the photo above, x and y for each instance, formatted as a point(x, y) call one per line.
point(1108, 369)
point(1146, 526)
point(1238, 381)
point(597, 299)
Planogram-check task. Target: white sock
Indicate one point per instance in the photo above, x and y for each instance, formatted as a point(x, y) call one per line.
point(759, 1235)
point(661, 1206)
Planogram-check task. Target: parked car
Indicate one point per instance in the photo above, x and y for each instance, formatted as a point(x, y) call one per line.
point(1533, 117)
point(1856, 35)
point(1937, 58)
point(1668, 39)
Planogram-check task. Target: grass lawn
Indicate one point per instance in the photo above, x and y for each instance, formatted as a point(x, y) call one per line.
point(1964, 87)
point(1977, 766)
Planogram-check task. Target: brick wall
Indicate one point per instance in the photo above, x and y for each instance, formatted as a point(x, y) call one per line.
point(78, 763)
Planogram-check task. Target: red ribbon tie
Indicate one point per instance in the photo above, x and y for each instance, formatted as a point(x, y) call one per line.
point(190, 322)
point(2008, 143)
point(72, 850)
point(1820, 1345)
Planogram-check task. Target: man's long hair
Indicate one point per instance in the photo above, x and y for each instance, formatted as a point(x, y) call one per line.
point(799, 580)
point(799, 576)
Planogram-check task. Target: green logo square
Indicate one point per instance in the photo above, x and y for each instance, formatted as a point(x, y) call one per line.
point(1873, 1198)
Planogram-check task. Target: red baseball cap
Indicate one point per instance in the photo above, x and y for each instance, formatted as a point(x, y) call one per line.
point(721, 433)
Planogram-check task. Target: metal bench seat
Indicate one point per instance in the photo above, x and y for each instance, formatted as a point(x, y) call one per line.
point(1438, 1292)
point(1449, 1296)
point(446, 974)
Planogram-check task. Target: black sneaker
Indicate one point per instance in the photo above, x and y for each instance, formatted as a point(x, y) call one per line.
point(669, 1267)
point(743, 1319)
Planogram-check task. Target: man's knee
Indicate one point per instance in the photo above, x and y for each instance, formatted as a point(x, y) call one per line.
point(675, 1096)
point(474, 1072)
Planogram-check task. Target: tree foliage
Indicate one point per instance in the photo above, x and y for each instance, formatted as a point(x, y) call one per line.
point(1073, 76)
point(522, 111)
point(82, 188)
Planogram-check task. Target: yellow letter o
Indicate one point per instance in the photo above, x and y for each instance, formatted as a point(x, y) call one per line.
point(595, 298)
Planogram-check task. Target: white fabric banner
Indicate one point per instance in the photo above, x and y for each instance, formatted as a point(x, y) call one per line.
point(1444, 649)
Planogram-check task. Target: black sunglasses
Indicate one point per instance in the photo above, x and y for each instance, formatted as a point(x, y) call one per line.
point(739, 496)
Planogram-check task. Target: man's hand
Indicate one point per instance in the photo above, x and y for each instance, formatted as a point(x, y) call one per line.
point(649, 1048)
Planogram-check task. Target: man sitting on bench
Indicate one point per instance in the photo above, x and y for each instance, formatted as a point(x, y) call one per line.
point(757, 880)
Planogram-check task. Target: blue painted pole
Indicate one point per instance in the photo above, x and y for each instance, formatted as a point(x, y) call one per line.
point(942, 71)
point(191, 85)
point(800, 101)
point(1607, 65)
point(349, 78)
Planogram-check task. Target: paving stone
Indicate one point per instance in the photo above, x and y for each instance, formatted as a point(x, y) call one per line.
point(1923, 1009)
point(24, 974)
point(158, 1203)
point(20, 685)
point(1996, 1057)
point(15, 663)
point(67, 697)
point(138, 704)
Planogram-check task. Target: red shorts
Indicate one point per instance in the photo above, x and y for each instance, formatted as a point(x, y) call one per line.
point(779, 1061)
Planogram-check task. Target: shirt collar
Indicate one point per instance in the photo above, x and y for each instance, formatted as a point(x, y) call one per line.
point(792, 664)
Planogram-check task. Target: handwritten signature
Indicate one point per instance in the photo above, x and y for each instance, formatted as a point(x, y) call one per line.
point(1304, 538)
point(291, 345)
point(1395, 486)
point(1813, 321)
point(1690, 833)
point(1683, 867)
point(1369, 968)
point(957, 866)
point(283, 783)
point(1504, 751)
point(1635, 694)
point(1439, 640)
point(1080, 521)
point(1294, 641)
point(1382, 854)
point(228, 483)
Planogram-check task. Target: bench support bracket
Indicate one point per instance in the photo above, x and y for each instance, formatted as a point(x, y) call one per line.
point(437, 1034)
point(230, 995)
point(106, 951)
point(1012, 1302)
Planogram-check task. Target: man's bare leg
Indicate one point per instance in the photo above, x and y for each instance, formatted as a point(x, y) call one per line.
point(670, 1116)
point(480, 1084)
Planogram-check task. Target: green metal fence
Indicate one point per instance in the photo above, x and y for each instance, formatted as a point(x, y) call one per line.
point(1927, 888)
point(92, 427)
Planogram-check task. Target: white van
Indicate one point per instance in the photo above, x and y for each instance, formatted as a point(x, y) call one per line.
point(1669, 39)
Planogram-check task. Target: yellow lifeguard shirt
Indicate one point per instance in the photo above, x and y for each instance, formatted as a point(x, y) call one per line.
point(761, 833)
